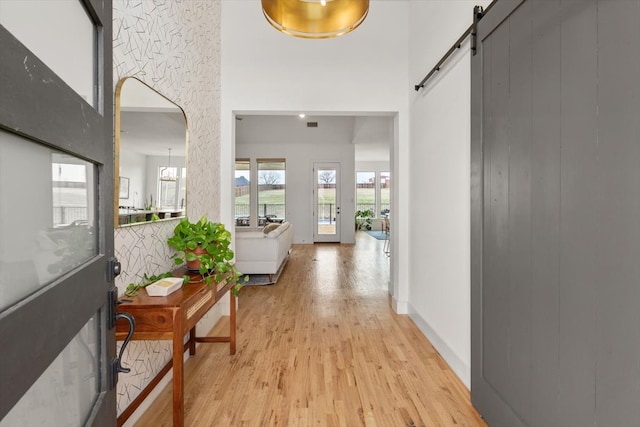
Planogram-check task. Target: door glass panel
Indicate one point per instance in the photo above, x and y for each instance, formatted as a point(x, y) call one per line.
point(66, 392)
point(55, 197)
point(61, 34)
point(326, 208)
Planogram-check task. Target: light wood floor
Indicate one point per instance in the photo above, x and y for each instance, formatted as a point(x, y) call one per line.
point(322, 347)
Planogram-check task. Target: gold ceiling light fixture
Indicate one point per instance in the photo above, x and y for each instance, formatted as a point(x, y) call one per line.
point(315, 19)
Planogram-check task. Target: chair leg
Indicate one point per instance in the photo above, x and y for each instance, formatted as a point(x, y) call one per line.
point(386, 248)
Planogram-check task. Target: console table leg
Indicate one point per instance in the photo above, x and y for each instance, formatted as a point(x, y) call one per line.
point(192, 341)
point(178, 373)
point(232, 324)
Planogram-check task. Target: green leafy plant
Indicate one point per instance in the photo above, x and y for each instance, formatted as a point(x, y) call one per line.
point(148, 203)
point(133, 288)
point(363, 219)
point(204, 245)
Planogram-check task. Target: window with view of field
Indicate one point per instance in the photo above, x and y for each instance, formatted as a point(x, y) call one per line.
point(271, 190)
point(385, 196)
point(366, 191)
point(243, 193)
point(373, 192)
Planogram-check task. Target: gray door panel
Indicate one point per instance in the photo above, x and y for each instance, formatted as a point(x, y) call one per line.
point(37, 105)
point(556, 214)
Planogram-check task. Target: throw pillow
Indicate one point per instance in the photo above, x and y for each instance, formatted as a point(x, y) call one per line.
point(270, 227)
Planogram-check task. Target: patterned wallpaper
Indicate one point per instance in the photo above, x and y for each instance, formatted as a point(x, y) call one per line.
point(174, 47)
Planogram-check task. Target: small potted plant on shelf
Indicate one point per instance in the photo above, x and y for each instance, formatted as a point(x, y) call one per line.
point(204, 247)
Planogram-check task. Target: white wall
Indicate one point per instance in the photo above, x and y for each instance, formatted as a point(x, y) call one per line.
point(299, 182)
point(372, 166)
point(440, 137)
point(365, 71)
point(133, 166)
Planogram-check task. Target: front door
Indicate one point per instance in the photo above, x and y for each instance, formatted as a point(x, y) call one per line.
point(326, 202)
point(56, 213)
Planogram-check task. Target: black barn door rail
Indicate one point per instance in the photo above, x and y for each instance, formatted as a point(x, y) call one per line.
point(478, 13)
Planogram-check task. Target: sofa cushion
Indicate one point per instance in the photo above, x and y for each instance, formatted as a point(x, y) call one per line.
point(273, 234)
point(270, 227)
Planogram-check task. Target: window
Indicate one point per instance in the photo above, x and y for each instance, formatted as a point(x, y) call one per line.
point(366, 191)
point(243, 192)
point(70, 192)
point(271, 191)
point(385, 193)
point(171, 189)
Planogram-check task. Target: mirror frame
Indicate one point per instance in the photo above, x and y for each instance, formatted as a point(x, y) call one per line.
point(117, 143)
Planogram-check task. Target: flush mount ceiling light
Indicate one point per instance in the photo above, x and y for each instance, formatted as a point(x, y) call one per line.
point(315, 19)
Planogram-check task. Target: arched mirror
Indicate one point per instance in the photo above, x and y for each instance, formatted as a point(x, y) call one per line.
point(150, 161)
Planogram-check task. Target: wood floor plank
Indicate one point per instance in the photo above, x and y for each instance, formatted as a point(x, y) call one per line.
point(322, 347)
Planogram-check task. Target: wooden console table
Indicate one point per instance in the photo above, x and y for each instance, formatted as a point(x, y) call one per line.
point(171, 318)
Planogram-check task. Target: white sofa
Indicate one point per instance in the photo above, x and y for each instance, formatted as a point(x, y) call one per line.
point(260, 253)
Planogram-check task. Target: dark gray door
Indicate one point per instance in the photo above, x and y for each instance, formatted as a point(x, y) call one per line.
point(56, 213)
point(556, 214)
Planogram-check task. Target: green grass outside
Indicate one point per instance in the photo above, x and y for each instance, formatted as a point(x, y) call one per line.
point(364, 196)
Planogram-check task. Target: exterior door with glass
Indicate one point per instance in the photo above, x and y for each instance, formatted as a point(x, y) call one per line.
point(326, 193)
point(56, 214)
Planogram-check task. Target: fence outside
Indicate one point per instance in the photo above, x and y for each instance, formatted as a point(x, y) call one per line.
point(372, 206)
point(326, 212)
point(266, 210)
point(63, 215)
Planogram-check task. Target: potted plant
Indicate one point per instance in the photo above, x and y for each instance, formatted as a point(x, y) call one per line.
point(204, 247)
point(363, 219)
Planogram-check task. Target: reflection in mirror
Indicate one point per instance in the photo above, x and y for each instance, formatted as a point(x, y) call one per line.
point(151, 146)
point(48, 214)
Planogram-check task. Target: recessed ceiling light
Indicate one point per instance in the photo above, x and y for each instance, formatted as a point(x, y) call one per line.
point(302, 115)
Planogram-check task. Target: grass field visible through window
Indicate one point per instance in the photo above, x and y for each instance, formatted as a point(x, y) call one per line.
point(366, 196)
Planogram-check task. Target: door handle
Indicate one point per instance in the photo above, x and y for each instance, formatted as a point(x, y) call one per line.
point(132, 328)
point(116, 364)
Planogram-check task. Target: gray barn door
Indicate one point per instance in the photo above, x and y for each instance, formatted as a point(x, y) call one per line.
point(556, 214)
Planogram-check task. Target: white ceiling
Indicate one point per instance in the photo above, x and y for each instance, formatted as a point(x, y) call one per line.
point(153, 133)
point(150, 124)
point(371, 135)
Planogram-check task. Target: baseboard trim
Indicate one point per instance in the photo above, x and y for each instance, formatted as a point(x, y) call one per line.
point(400, 307)
point(461, 369)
